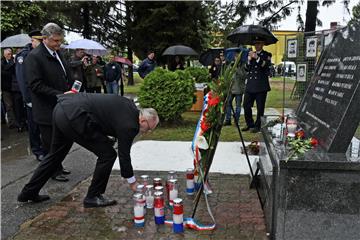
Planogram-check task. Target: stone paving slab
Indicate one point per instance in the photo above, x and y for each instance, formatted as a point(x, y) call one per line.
point(236, 209)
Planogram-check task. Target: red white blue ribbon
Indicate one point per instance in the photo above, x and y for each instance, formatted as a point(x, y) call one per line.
point(192, 224)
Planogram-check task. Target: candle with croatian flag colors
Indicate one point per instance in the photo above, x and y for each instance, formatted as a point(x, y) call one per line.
point(144, 180)
point(173, 191)
point(141, 189)
point(76, 86)
point(190, 188)
point(159, 208)
point(178, 216)
point(171, 175)
point(149, 196)
point(139, 218)
point(157, 182)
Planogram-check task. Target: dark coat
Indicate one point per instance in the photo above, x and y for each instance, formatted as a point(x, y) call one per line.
point(146, 67)
point(258, 73)
point(112, 72)
point(20, 72)
point(46, 79)
point(7, 74)
point(94, 116)
point(77, 70)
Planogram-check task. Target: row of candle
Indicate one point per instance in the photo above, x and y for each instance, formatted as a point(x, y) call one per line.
point(145, 198)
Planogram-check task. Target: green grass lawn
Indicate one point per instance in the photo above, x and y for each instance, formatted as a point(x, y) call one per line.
point(185, 131)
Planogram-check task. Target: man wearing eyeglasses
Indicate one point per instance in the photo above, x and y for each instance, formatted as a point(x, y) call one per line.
point(88, 119)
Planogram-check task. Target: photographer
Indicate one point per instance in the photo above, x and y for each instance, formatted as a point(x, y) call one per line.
point(93, 74)
point(78, 63)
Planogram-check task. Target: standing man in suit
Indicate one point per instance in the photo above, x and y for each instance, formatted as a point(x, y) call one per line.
point(257, 85)
point(48, 76)
point(88, 119)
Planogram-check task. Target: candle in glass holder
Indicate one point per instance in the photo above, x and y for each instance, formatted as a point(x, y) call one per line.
point(178, 216)
point(139, 218)
point(141, 189)
point(171, 175)
point(190, 185)
point(149, 197)
point(291, 126)
point(159, 214)
point(144, 180)
point(173, 191)
point(157, 182)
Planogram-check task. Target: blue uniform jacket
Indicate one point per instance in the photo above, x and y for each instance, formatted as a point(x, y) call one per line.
point(258, 73)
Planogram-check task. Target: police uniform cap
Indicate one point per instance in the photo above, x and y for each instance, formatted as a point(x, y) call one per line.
point(36, 34)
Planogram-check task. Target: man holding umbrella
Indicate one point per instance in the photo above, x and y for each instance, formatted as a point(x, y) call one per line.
point(257, 84)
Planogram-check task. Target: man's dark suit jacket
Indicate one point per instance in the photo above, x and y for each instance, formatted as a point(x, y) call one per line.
point(95, 116)
point(258, 76)
point(46, 79)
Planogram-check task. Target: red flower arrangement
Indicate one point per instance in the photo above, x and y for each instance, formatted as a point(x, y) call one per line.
point(214, 101)
point(299, 145)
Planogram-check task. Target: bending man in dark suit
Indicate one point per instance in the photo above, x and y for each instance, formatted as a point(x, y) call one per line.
point(87, 119)
point(47, 75)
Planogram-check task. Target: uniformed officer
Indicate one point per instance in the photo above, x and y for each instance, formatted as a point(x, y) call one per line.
point(34, 132)
point(257, 85)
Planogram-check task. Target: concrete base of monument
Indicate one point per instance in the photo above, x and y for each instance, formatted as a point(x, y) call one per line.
point(174, 155)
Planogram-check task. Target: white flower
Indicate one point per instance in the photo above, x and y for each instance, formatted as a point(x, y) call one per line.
point(201, 142)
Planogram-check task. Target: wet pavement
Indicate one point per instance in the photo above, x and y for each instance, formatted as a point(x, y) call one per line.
point(235, 207)
point(18, 165)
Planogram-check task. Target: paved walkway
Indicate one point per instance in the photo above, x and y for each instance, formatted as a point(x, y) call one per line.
point(236, 209)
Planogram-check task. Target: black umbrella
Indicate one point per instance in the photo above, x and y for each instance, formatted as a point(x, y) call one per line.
point(207, 58)
point(249, 34)
point(179, 50)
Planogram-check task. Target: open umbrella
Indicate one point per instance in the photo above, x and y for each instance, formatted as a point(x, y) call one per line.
point(249, 34)
point(207, 57)
point(179, 50)
point(90, 46)
point(19, 40)
point(123, 60)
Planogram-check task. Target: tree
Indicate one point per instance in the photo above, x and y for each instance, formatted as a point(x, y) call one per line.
point(226, 17)
point(17, 17)
point(356, 13)
point(157, 25)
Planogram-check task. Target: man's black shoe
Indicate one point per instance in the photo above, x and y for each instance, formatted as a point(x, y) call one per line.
point(60, 178)
point(255, 130)
point(65, 171)
point(99, 201)
point(38, 198)
point(40, 157)
point(244, 129)
point(227, 123)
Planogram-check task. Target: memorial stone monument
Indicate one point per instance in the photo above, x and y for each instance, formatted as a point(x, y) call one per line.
point(317, 195)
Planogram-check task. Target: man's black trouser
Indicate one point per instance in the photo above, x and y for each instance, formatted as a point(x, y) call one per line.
point(64, 135)
point(249, 99)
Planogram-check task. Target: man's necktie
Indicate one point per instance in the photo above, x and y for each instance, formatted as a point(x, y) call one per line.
point(56, 57)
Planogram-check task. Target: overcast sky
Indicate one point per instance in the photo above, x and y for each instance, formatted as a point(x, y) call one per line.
point(334, 13)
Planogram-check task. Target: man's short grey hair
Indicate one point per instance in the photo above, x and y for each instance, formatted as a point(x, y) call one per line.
point(149, 114)
point(52, 28)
